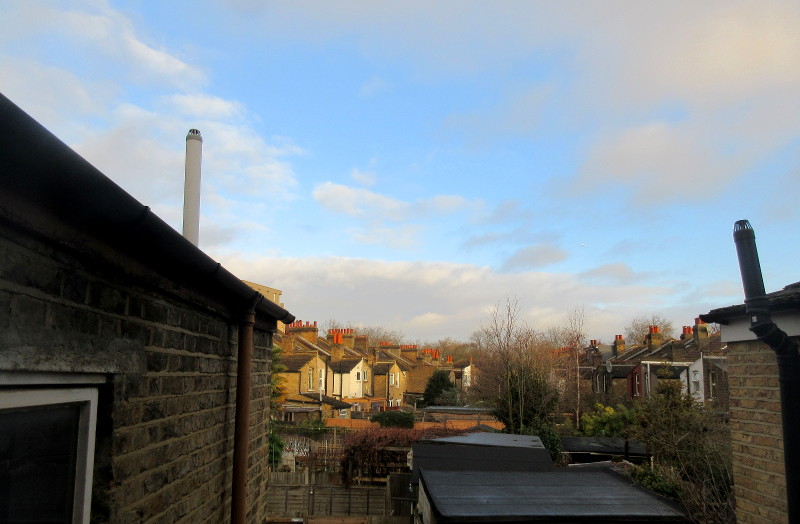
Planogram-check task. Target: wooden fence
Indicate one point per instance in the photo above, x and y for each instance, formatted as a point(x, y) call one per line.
point(330, 500)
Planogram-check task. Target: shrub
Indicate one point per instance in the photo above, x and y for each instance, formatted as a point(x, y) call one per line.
point(394, 419)
point(606, 421)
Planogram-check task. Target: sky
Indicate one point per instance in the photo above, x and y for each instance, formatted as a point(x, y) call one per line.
point(414, 164)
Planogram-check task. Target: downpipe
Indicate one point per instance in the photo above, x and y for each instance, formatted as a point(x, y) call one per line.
point(786, 353)
point(241, 434)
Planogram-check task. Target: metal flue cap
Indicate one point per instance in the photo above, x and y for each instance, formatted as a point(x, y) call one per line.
point(194, 134)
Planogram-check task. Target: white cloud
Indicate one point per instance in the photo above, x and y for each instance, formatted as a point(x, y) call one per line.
point(204, 106)
point(400, 237)
point(358, 202)
point(455, 298)
point(530, 257)
point(365, 178)
point(616, 273)
point(374, 207)
point(659, 161)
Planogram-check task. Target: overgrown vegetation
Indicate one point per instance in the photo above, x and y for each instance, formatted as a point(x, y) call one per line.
point(371, 453)
point(394, 419)
point(691, 453)
point(606, 421)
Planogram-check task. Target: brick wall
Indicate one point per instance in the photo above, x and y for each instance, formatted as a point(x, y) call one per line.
point(756, 438)
point(165, 415)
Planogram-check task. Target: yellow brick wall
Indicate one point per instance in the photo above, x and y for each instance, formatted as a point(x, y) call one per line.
point(756, 438)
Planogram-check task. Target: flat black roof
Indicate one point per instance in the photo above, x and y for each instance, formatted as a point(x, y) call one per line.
point(570, 496)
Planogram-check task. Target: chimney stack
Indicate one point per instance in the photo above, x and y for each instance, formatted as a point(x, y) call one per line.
point(700, 330)
point(191, 188)
point(619, 345)
point(655, 337)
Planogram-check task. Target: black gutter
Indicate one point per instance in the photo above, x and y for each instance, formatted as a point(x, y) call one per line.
point(36, 167)
point(786, 353)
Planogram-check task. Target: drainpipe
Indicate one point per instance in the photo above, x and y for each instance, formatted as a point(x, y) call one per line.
point(242, 422)
point(786, 353)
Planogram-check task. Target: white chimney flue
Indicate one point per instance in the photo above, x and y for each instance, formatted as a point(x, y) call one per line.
point(191, 189)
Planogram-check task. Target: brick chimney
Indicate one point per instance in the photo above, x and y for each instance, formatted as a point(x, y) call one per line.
point(307, 330)
point(687, 333)
point(700, 330)
point(349, 338)
point(619, 345)
point(409, 351)
point(337, 347)
point(361, 343)
point(655, 338)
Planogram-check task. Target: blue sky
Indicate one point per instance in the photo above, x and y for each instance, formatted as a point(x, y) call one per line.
point(412, 164)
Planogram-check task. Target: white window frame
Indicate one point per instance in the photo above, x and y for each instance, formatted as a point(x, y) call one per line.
point(311, 379)
point(86, 399)
point(391, 379)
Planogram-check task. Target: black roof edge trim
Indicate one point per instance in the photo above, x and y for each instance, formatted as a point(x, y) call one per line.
point(84, 197)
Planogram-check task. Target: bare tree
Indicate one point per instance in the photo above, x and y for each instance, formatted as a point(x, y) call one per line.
point(571, 338)
point(636, 331)
point(516, 374)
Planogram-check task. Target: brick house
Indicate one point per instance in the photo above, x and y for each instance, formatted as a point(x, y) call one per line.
point(125, 346)
point(755, 407)
point(388, 381)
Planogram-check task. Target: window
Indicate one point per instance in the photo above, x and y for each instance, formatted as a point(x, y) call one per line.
point(321, 380)
point(358, 375)
point(47, 454)
point(311, 379)
point(391, 379)
point(366, 375)
point(695, 381)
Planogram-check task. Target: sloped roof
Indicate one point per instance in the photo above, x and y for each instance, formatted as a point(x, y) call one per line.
point(295, 361)
point(786, 298)
point(345, 365)
point(305, 344)
point(332, 402)
point(382, 368)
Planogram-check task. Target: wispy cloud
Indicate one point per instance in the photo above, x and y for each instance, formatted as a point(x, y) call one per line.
point(540, 255)
point(374, 207)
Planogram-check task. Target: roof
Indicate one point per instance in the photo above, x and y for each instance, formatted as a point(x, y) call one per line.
point(786, 298)
point(480, 451)
point(619, 370)
point(604, 445)
point(345, 365)
point(46, 186)
point(382, 368)
point(573, 496)
point(491, 439)
point(296, 361)
point(332, 402)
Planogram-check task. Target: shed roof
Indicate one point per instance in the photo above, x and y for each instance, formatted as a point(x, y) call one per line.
point(491, 439)
point(570, 496)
